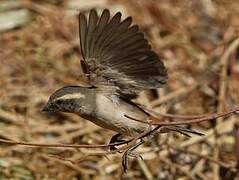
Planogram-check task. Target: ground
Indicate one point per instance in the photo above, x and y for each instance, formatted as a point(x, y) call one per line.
point(198, 42)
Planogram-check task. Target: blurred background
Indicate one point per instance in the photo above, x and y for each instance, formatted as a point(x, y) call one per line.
point(198, 40)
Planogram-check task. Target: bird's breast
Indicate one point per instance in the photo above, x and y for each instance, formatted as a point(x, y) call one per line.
point(111, 112)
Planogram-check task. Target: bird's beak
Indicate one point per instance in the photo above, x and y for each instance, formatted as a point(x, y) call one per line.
point(44, 109)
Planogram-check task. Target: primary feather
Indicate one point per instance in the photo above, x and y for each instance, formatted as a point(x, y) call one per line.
point(116, 54)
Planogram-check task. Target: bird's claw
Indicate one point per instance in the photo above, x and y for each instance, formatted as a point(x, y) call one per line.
point(128, 153)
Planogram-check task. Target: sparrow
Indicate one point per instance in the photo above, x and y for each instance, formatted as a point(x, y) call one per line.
point(118, 63)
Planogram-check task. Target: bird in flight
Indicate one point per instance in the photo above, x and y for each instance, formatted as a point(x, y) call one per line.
point(118, 63)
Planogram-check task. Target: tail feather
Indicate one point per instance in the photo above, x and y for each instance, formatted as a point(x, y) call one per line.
point(185, 131)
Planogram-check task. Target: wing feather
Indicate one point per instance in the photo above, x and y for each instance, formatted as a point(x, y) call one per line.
point(118, 55)
point(83, 33)
point(93, 20)
point(103, 21)
point(108, 32)
point(107, 46)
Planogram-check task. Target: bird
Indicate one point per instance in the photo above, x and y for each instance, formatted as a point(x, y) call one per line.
point(118, 63)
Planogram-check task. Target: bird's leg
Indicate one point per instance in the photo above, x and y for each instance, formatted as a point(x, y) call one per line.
point(115, 139)
point(128, 153)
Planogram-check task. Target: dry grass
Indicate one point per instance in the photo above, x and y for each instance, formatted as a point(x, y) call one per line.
point(197, 40)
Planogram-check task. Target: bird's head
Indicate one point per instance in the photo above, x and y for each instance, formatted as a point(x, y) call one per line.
point(73, 99)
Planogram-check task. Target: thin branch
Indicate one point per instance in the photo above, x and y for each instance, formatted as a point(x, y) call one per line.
point(191, 121)
point(11, 142)
point(201, 118)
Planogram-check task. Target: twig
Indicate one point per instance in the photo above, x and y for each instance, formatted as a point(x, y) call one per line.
point(130, 143)
point(191, 121)
point(10, 142)
point(201, 118)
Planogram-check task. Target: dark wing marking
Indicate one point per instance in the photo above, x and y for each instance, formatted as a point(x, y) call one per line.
point(117, 55)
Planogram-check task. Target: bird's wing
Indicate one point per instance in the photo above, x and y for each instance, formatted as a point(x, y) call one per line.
point(116, 54)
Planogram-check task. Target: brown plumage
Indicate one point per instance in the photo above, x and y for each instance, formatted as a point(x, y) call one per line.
point(116, 54)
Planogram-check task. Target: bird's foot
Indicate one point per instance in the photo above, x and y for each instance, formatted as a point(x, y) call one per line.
point(129, 153)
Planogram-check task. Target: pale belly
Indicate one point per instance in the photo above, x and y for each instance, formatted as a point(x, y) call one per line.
point(111, 115)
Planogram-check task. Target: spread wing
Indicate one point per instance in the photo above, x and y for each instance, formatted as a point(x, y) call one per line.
point(116, 54)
